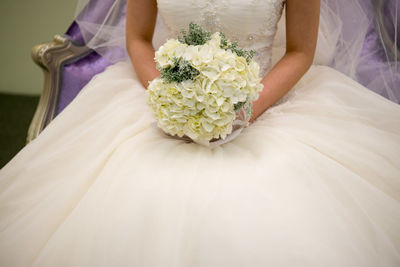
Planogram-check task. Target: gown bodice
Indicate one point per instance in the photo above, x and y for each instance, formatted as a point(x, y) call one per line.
point(252, 24)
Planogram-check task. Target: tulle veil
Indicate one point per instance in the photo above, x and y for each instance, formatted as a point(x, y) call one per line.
point(357, 37)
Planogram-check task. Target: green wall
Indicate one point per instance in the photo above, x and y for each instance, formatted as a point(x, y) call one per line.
point(23, 24)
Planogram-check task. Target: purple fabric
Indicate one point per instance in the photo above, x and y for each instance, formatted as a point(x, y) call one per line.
point(372, 42)
point(93, 17)
point(388, 20)
point(75, 34)
point(375, 60)
point(76, 75)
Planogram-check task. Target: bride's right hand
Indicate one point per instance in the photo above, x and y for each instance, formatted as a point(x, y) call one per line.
point(140, 22)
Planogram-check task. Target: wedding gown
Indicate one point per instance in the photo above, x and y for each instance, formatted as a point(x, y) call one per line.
point(314, 181)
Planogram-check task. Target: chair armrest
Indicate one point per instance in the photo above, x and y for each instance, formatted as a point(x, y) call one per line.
point(51, 57)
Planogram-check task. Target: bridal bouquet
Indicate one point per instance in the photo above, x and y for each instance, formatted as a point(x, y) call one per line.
point(206, 87)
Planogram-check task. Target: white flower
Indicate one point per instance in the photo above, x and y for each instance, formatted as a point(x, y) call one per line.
point(202, 108)
point(165, 54)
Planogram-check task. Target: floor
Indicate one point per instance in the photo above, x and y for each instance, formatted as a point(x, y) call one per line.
point(16, 113)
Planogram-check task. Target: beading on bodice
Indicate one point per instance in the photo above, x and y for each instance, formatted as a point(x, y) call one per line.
point(252, 23)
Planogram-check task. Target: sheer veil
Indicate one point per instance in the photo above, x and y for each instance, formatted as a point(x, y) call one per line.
point(357, 37)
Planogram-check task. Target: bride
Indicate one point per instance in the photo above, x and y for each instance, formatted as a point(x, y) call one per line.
point(313, 181)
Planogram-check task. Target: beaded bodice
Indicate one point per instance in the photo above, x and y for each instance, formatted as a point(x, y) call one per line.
point(252, 23)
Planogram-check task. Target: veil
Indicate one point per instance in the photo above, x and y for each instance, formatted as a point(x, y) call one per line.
point(359, 38)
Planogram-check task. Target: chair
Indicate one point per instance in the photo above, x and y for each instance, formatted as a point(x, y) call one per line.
point(68, 65)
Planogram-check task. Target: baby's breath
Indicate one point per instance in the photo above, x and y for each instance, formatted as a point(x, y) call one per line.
point(195, 36)
point(180, 71)
point(234, 47)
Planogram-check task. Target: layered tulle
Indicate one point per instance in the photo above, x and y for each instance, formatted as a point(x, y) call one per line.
point(313, 182)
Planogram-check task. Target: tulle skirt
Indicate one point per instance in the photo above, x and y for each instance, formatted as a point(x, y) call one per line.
point(314, 181)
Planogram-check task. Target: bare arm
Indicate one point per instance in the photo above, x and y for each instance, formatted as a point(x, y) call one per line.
point(302, 20)
point(140, 22)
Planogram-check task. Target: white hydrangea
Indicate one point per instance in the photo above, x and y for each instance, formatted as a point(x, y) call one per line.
point(203, 108)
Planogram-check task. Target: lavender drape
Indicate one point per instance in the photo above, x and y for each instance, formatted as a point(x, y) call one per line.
point(77, 74)
point(375, 55)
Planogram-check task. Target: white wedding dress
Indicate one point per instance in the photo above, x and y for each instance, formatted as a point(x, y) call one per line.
point(314, 181)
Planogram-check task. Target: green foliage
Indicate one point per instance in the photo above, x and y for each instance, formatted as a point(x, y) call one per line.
point(224, 42)
point(234, 47)
point(180, 71)
point(249, 108)
point(195, 36)
point(238, 106)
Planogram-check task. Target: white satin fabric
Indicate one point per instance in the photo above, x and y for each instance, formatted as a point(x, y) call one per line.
point(315, 181)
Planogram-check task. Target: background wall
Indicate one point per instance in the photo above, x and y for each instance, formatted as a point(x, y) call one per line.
point(23, 24)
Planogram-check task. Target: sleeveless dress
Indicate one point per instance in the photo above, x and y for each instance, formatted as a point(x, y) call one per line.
point(314, 181)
